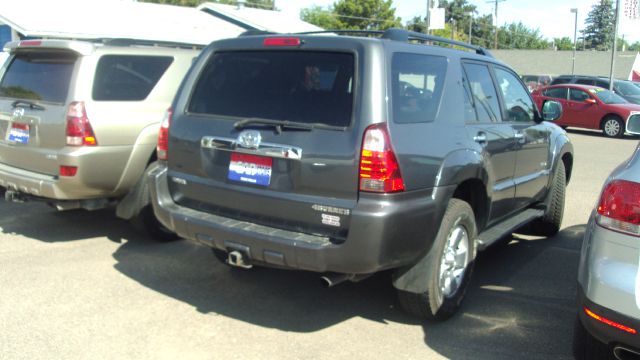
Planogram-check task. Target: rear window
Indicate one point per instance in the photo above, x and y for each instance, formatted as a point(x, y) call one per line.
point(127, 77)
point(307, 87)
point(417, 85)
point(38, 75)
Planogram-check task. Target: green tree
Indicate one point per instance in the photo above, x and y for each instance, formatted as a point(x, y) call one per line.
point(318, 16)
point(564, 43)
point(635, 46)
point(366, 14)
point(519, 36)
point(598, 32)
point(260, 4)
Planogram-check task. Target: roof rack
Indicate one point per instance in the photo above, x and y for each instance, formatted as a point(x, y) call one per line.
point(403, 35)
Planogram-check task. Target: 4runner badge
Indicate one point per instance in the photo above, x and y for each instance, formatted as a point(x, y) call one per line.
point(249, 139)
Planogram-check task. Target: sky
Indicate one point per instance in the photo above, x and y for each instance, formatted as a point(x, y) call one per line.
point(552, 17)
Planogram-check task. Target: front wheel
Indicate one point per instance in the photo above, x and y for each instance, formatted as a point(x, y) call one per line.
point(613, 127)
point(449, 265)
point(549, 223)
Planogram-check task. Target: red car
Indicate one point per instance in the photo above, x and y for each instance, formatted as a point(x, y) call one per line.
point(589, 107)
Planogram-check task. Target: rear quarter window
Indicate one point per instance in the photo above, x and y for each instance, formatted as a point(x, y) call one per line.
point(300, 86)
point(417, 85)
point(38, 75)
point(128, 77)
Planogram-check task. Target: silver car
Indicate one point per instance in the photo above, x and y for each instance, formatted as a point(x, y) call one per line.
point(608, 323)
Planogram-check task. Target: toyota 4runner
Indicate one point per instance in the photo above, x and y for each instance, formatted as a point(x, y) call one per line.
point(79, 122)
point(348, 155)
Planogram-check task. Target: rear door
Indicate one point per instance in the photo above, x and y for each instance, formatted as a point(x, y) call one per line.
point(485, 126)
point(33, 105)
point(232, 153)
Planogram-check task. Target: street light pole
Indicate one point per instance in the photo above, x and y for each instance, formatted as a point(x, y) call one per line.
point(615, 43)
point(495, 36)
point(470, 13)
point(575, 41)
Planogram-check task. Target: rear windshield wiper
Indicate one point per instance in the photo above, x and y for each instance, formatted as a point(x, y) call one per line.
point(27, 104)
point(280, 124)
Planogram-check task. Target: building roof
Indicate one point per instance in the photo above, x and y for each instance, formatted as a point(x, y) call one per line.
point(554, 63)
point(84, 19)
point(258, 19)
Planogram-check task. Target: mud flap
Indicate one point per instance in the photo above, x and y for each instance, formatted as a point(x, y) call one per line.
point(412, 278)
point(137, 198)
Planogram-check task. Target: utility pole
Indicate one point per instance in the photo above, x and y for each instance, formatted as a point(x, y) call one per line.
point(615, 44)
point(470, 13)
point(428, 18)
point(495, 35)
point(575, 41)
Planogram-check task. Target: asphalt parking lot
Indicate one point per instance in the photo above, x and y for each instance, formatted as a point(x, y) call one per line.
point(86, 285)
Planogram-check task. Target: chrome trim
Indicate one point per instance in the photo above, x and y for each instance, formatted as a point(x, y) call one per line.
point(265, 149)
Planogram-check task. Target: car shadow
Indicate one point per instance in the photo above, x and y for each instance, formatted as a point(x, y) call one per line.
point(521, 299)
point(38, 221)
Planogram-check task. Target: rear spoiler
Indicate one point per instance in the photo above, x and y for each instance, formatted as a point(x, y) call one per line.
point(80, 47)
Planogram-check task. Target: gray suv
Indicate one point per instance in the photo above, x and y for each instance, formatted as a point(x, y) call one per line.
point(348, 155)
point(79, 122)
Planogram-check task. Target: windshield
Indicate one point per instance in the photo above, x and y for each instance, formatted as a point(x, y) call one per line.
point(298, 86)
point(626, 88)
point(608, 97)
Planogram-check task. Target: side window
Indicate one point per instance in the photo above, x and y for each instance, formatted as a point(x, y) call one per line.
point(128, 77)
point(483, 92)
point(578, 95)
point(418, 81)
point(469, 111)
point(518, 105)
point(602, 84)
point(557, 93)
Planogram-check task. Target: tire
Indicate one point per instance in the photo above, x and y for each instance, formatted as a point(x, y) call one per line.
point(447, 278)
point(153, 227)
point(549, 223)
point(586, 347)
point(613, 127)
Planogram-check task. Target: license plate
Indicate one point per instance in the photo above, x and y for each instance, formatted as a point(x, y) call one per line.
point(19, 133)
point(250, 169)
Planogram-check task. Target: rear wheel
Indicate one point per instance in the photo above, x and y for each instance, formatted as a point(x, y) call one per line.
point(613, 127)
point(586, 347)
point(153, 227)
point(449, 265)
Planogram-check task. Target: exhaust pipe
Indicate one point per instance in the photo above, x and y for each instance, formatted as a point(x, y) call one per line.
point(624, 353)
point(332, 279)
point(237, 259)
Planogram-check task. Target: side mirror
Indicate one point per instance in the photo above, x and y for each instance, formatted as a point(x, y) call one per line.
point(633, 124)
point(591, 101)
point(551, 110)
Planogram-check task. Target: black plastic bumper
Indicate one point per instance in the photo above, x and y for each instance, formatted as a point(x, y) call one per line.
point(384, 233)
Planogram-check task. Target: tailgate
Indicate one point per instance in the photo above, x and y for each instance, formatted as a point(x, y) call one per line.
point(33, 95)
point(267, 138)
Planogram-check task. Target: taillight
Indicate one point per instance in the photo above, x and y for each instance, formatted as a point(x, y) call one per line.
point(619, 207)
point(79, 131)
point(163, 136)
point(379, 169)
point(281, 41)
point(68, 170)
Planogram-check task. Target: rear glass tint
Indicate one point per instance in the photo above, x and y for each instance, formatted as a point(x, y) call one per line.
point(300, 86)
point(38, 75)
point(417, 86)
point(127, 77)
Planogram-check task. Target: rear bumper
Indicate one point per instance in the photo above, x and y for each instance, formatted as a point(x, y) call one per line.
point(607, 284)
point(383, 233)
point(100, 169)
